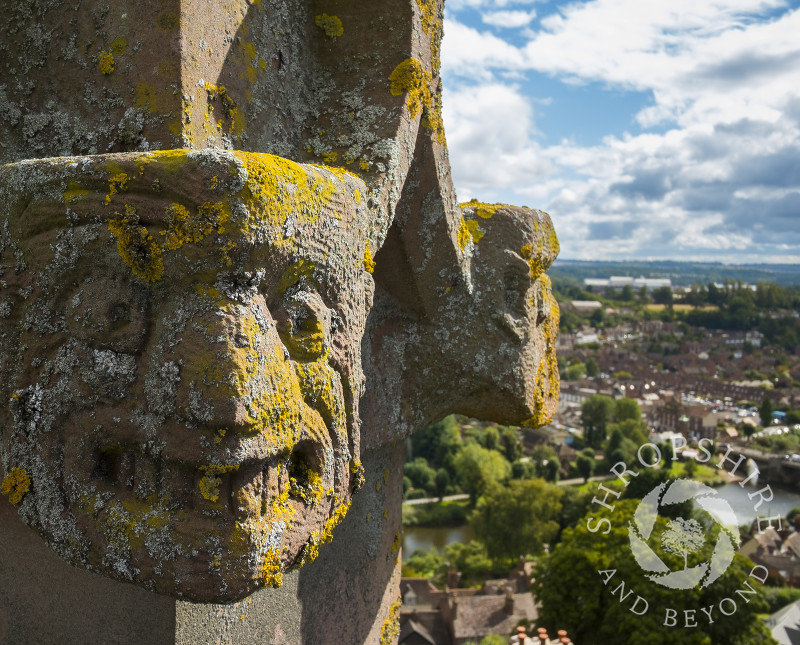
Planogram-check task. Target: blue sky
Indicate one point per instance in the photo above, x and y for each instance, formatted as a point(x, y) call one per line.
point(648, 129)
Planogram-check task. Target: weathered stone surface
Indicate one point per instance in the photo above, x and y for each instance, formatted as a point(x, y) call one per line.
point(201, 342)
point(183, 375)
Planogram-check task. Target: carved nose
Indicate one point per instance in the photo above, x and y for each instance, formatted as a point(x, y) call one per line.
point(223, 356)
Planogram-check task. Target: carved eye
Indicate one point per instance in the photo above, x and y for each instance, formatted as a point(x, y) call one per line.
point(304, 323)
point(109, 313)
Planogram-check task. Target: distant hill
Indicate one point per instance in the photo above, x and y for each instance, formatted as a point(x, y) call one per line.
point(681, 273)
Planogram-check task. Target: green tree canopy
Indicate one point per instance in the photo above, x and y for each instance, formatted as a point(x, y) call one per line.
point(585, 466)
point(518, 519)
point(421, 474)
point(437, 441)
point(477, 468)
point(627, 408)
point(596, 413)
point(576, 597)
point(765, 412)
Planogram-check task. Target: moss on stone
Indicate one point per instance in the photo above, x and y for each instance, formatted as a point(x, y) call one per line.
point(331, 25)
point(16, 485)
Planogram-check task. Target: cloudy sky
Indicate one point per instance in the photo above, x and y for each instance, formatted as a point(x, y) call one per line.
point(648, 129)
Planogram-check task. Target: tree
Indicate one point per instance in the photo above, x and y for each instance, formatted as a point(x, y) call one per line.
point(749, 429)
point(667, 453)
point(512, 446)
point(682, 537)
point(585, 466)
point(420, 473)
point(491, 438)
point(592, 368)
point(627, 408)
point(620, 448)
point(576, 372)
point(636, 431)
point(662, 296)
point(574, 596)
point(596, 413)
point(765, 412)
point(471, 561)
point(477, 468)
point(442, 483)
point(437, 442)
point(518, 519)
point(551, 470)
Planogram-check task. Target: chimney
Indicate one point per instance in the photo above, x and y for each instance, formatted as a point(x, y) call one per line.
point(452, 578)
point(543, 637)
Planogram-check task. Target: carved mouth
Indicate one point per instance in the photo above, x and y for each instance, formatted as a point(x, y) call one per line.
point(251, 490)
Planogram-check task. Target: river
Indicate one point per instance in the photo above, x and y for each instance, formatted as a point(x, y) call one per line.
point(423, 537)
point(783, 501)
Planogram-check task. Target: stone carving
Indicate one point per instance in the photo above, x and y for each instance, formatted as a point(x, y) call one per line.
point(182, 373)
point(199, 343)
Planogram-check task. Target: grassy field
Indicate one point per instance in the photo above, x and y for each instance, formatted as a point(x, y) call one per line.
point(703, 473)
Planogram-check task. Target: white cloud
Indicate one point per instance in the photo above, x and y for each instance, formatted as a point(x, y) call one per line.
point(723, 181)
point(508, 19)
point(456, 5)
point(491, 127)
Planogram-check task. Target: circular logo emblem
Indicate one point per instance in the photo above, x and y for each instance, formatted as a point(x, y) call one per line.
point(683, 536)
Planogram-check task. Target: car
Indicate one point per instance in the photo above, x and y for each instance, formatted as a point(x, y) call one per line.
point(796, 458)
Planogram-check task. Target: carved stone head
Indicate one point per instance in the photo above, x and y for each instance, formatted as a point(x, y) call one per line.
point(181, 360)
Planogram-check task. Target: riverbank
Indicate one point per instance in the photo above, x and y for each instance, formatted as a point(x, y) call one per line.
point(449, 513)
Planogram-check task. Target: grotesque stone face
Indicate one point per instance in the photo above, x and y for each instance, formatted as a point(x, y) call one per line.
point(181, 362)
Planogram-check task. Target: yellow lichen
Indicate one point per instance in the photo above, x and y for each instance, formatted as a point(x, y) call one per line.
point(391, 626)
point(230, 111)
point(106, 62)
point(118, 46)
point(16, 484)
point(357, 474)
point(209, 483)
point(464, 235)
point(481, 209)
point(331, 25)
point(116, 183)
point(74, 193)
point(317, 538)
point(369, 263)
point(534, 260)
point(278, 189)
point(184, 227)
point(136, 246)
point(474, 231)
point(148, 97)
point(330, 157)
point(432, 26)
point(271, 574)
point(410, 77)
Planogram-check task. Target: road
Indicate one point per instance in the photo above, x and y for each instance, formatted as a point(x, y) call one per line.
point(432, 500)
